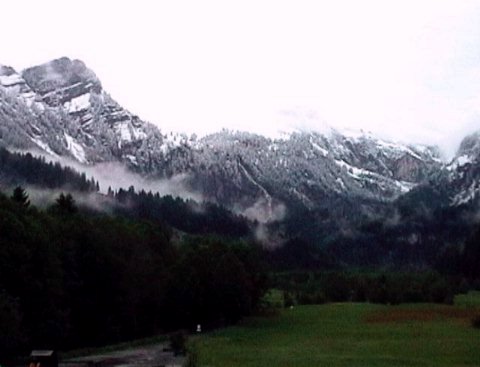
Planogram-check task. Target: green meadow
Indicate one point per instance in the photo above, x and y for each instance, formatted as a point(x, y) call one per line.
point(350, 334)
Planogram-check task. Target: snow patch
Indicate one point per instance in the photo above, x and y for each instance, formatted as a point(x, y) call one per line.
point(340, 182)
point(322, 151)
point(11, 80)
point(398, 147)
point(355, 172)
point(75, 148)
point(273, 147)
point(44, 146)
point(459, 162)
point(78, 104)
point(132, 159)
point(172, 141)
point(463, 160)
point(139, 134)
point(124, 130)
point(373, 177)
point(404, 186)
point(466, 196)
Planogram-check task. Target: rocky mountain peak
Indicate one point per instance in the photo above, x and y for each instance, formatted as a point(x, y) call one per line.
point(60, 80)
point(470, 146)
point(15, 84)
point(6, 70)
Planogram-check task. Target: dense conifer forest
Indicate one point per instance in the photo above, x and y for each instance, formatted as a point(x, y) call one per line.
point(25, 169)
point(70, 279)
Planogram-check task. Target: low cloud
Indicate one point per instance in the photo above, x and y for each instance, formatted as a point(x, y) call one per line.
point(45, 197)
point(264, 211)
point(116, 175)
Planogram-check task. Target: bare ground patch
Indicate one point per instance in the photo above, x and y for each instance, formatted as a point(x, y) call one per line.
point(394, 314)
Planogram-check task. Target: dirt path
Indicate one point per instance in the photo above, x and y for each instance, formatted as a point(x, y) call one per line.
point(147, 356)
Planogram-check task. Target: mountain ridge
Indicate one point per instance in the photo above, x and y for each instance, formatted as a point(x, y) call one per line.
point(61, 108)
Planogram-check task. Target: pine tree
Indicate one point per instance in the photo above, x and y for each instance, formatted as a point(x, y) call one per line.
point(65, 204)
point(20, 196)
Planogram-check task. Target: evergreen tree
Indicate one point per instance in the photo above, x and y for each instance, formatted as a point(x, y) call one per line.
point(20, 196)
point(65, 204)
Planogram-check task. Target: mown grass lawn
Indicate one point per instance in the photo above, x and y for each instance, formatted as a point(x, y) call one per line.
point(350, 335)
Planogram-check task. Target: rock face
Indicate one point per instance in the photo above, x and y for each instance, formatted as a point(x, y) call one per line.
point(61, 81)
point(61, 109)
point(470, 146)
point(409, 168)
point(463, 178)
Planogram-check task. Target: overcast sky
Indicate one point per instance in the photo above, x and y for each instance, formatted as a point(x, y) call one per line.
point(408, 70)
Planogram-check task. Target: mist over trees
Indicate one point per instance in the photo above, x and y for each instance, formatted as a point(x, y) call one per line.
point(25, 169)
point(185, 215)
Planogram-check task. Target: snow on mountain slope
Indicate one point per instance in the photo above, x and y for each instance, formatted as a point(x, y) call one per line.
point(464, 171)
point(60, 107)
point(54, 104)
point(308, 167)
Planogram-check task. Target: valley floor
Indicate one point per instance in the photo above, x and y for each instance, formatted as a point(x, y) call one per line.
point(350, 335)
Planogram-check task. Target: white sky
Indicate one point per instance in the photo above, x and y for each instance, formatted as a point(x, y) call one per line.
point(408, 70)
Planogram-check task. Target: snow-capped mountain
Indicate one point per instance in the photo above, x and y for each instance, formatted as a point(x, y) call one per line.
point(61, 108)
point(307, 168)
point(458, 182)
point(464, 171)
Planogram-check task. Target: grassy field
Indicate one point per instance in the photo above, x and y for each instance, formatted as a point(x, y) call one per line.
point(350, 335)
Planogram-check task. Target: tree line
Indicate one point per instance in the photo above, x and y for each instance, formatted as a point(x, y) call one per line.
point(385, 287)
point(420, 230)
point(70, 278)
point(185, 215)
point(25, 169)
